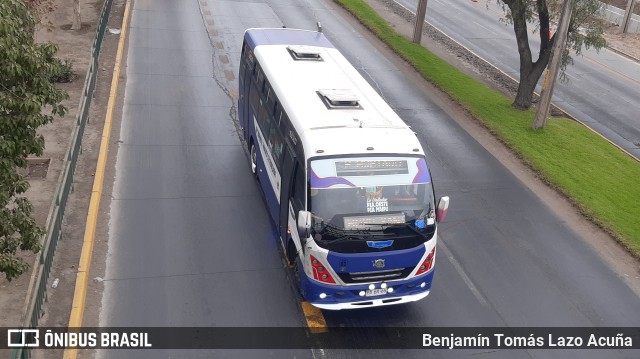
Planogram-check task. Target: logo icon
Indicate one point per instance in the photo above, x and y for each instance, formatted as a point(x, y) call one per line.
point(378, 263)
point(380, 244)
point(20, 338)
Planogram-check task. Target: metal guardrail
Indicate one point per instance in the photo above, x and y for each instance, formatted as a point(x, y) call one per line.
point(38, 286)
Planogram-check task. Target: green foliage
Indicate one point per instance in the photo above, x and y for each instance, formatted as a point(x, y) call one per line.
point(28, 100)
point(63, 71)
point(585, 29)
point(596, 176)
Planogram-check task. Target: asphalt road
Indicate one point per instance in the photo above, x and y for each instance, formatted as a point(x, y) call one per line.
point(603, 90)
point(191, 243)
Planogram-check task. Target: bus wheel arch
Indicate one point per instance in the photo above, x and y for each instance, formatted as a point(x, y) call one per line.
point(296, 263)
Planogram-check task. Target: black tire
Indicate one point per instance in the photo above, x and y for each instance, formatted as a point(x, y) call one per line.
point(291, 253)
point(296, 276)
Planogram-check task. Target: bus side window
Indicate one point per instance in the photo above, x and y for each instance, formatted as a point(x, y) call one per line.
point(285, 125)
point(259, 78)
point(263, 118)
point(298, 189)
point(254, 99)
point(243, 60)
point(277, 114)
point(250, 61)
point(266, 88)
point(241, 73)
point(271, 102)
point(276, 142)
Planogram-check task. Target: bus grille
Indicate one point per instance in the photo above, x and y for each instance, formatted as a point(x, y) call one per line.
point(375, 276)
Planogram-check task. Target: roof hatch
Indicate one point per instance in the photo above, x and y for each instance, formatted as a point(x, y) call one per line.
point(301, 52)
point(339, 99)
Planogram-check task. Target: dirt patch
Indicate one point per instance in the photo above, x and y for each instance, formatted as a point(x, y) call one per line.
point(626, 44)
point(37, 168)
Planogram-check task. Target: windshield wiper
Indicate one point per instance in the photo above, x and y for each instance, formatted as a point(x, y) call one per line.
point(342, 234)
point(330, 226)
point(344, 238)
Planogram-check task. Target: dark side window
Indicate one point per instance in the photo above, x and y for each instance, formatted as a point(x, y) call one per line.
point(299, 188)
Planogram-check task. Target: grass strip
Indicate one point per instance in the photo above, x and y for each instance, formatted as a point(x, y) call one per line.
point(602, 181)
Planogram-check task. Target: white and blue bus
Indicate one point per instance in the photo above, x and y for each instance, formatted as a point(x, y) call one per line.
point(345, 179)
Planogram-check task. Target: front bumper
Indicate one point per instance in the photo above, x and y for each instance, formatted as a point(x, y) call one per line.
point(347, 297)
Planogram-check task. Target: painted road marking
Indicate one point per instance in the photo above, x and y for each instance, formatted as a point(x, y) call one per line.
point(82, 277)
point(633, 81)
point(314, 317)
point(463, 274)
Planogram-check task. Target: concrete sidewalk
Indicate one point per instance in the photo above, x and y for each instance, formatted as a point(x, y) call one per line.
point(627, 45)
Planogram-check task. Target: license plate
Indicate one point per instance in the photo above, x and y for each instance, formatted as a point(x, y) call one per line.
point(374, 292)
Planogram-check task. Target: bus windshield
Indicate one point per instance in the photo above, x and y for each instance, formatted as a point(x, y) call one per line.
point(351, 196)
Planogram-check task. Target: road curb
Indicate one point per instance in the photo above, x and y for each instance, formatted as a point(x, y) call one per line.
point(622, 53)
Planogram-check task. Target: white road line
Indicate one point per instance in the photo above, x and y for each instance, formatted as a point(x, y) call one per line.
point(463, 274)
point(486, 28)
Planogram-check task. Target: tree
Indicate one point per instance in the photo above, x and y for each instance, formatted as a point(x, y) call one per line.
point(77, 21)
point(585, 30)
point(28, 100)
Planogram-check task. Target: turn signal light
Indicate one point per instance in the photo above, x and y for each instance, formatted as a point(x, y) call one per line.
point(427, 264)
point(320, 273)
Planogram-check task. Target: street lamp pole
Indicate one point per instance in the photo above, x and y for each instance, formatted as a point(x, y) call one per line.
point(554, 65)
point(627, 16)
point(417, 30)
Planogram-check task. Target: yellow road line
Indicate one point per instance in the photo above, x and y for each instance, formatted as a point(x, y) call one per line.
point(315, 319)
point(612, 70)
point(82, 278)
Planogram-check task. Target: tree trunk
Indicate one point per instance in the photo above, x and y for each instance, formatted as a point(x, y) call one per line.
point(530, 71)
point(526, 87)
point(77, 21)
point(529, 75)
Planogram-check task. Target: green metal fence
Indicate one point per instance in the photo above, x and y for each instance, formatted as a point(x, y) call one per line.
point(38, 285)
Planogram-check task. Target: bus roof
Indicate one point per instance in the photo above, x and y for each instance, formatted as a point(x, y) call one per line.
point(332, 107)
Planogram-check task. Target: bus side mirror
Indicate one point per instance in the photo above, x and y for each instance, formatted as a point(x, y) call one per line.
point(304, 224)
point(443, 208)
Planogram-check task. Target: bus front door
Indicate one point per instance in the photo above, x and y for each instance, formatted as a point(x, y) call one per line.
point(287, 173)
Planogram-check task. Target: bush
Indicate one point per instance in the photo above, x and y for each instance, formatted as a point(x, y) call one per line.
point(63, 71)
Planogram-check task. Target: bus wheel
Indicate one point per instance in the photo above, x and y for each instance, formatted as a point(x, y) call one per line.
point(294, 262)
point(291, 253)
point(254, 159)
point(296, 276)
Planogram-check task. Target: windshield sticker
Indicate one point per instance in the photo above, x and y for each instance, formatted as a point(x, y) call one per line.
point(423, 172)
point(326, 182)
point(375, 201)
point(375, 205)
